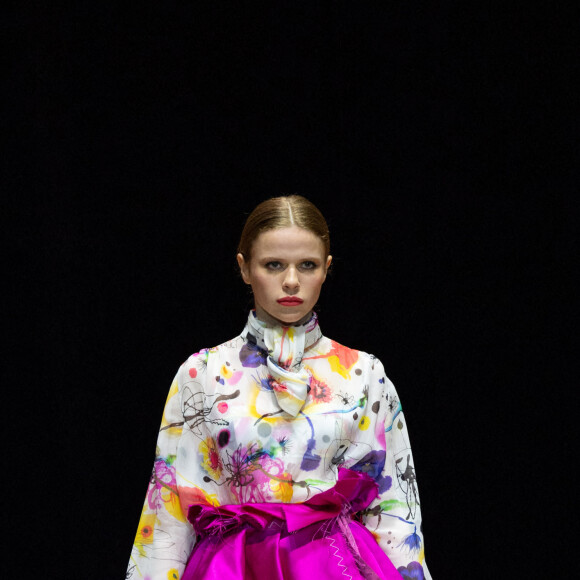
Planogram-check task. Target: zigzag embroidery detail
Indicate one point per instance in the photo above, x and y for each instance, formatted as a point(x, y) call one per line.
point(340, 558)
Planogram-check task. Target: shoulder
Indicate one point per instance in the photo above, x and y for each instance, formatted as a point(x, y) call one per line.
point(351, 358)
point(221, 349)
point(198, 362)
point(352, 362)
point(335, 348)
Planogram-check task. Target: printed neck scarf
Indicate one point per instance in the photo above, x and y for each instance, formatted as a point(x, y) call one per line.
point(285, 346)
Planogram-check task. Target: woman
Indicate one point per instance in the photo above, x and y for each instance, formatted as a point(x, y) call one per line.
point(281, 453)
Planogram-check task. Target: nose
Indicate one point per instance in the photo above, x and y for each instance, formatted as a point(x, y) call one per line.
point(291, 281)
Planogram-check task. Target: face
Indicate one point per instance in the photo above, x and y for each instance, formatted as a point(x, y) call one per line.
point(286, 271)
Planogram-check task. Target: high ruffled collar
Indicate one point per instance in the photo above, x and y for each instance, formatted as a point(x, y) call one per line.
point(285, 346)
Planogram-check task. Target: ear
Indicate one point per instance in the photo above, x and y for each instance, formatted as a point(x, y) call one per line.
point(244, 268)
point(328, 262)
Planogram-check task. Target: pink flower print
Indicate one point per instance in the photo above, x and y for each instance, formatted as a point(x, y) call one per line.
point(280, 387)
point(320, 391)
point(212, 462)
point(162, 479)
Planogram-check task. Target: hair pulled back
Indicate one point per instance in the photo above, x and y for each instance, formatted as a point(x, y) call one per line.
point(283, 212)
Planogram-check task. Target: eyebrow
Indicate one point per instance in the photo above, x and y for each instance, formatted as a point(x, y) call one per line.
point(274, 259)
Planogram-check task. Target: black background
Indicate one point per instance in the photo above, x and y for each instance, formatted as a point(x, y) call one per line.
point(441, 145)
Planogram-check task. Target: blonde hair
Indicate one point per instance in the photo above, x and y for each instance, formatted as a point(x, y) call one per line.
point(282, 212)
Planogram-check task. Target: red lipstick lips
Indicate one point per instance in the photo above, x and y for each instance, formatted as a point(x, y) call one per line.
point(290, 301)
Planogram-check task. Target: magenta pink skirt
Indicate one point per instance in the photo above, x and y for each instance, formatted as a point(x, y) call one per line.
point(315, 539)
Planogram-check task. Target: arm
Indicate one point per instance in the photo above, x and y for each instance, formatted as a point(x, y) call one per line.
point(164, 537)
point(395, 516)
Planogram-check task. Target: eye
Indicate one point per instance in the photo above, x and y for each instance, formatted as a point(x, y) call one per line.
point(308, 265)
point(273, 265)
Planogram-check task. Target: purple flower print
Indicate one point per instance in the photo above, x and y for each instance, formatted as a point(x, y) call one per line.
point(413, 571)
point(252, 356)
point(372, 464)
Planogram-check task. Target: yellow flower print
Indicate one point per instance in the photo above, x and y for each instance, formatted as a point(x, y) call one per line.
point(212, 461)
point(226, 372)
point(364, 423)
point(173, 574)
point(282, 490)
point(342, 359)
point(144, 534)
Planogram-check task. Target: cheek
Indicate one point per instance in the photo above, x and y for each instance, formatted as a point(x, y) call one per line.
point(315, 285)
point(261, 285)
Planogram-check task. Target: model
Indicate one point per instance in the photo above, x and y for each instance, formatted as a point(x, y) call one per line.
point(281, 453)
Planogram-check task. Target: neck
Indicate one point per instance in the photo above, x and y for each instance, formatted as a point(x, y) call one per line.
point(262, 315)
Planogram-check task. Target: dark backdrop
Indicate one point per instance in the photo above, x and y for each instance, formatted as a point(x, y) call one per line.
point(440, 144)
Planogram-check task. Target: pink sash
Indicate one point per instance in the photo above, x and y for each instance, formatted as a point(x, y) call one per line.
point(276, 541)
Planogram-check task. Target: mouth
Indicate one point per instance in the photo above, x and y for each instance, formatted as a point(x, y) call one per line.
point(290, 301)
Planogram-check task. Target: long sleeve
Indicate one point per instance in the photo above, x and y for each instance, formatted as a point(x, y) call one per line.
point(395, 516)
point(164, 537)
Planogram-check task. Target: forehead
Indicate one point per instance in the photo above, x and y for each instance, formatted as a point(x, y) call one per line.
point(290, 242)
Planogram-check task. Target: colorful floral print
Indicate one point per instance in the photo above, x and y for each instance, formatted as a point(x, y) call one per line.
point(319, 390)
point(226, 438)
point(212, 462)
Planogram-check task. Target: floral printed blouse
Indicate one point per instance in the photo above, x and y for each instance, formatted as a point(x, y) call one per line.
point(270, 416)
